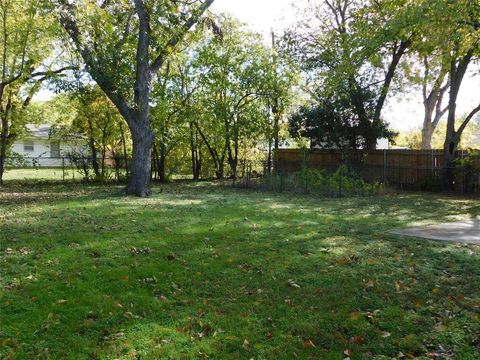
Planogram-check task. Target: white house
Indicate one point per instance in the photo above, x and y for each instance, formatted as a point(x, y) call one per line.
point(382, 144)
point(37, 147)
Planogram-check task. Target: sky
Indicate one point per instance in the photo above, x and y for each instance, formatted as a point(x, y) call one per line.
point(260, 15)
point(403, 112)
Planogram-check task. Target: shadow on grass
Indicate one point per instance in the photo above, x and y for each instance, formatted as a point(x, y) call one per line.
point(199, 270)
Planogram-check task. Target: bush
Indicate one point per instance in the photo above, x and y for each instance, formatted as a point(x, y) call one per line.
point(343, 181)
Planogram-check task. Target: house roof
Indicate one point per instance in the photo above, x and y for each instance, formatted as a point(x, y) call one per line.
point(44, 131)
point(39, 131)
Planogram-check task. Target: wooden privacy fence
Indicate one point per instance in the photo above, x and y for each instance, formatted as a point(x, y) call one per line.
point(404, 168)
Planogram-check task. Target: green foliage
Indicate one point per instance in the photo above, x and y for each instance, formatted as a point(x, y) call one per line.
point(412, 139)
point(26, 37)
point(15, 160)
point(350, 52)
point(339, 182)
point(331, 123)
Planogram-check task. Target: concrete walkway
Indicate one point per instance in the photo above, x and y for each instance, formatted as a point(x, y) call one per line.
point(467, 232)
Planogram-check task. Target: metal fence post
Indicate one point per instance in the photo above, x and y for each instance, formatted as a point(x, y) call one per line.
point(63, 168)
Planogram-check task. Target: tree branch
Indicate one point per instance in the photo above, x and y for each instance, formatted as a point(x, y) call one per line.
point(466, 121)
point(177, 37)
point(67, 20)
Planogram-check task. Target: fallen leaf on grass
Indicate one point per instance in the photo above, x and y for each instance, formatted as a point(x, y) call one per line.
point(369, 284)
point(129, 315)
point(293, 284)
point(348, 261)
point(203, 355)
point(308, 344)
point(371, 315)
point(359, 340)
point(119, 335)
point(61, 301)
point(246, 344)
point(354, 315)
point(137, 251)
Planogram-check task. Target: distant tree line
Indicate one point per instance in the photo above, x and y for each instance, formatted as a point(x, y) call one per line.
point(157, 84)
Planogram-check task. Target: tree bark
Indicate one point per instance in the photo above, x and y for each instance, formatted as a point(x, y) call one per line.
point(432, 103)
point(137, 115)
point(452, 137)
point(141, 166)
point(427, 134)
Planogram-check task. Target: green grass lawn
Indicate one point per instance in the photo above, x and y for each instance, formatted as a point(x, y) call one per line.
point(42, 174)
point(204, 272)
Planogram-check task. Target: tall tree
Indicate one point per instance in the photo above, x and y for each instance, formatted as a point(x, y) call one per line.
point(282, 78)
point(234, 84)
point(97, 119)
point(124, 44)
point(26, 36)
point(454, 28)
point(433, 99)
point(355, 48)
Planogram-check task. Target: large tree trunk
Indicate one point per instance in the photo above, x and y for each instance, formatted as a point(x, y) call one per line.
point(427, 134)
point(137, 116)
point(432, 103)
point(449, 163)
point(141, 166)
point(452, 137)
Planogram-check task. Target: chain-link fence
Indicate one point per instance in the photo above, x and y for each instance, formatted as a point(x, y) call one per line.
point(342, 179)
point(66, 168)
point(325, 179)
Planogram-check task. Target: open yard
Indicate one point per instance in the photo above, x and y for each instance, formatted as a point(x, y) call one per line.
point(42, 174)
point(202, 272)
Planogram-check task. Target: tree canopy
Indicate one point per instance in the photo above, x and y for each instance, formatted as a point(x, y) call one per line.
point(163, 85)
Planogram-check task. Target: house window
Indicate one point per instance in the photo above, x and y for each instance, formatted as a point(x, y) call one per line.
point(54, 150)
point(28, 146)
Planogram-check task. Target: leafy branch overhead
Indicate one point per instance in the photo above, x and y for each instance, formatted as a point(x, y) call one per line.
point(131, 46)
point(123, 46)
